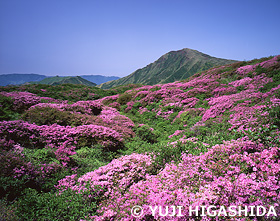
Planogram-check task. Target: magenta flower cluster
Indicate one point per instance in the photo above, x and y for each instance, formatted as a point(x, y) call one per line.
point(103, 115)
point(236, 173)
point(23, 100)
point(82, 107)
point(34, 136)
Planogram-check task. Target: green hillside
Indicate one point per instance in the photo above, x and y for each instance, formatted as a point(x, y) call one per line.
point(173, 66)
point(73, 152)
point(99, 79)
point(66, 80)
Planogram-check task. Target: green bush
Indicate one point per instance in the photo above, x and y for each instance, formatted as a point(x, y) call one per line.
point(147, 134)
point(54, 206)
point(124, 98)
point(274, 115)
point(48, 116)
point(275, 75)
point(166, 153)
point(267, 135)
point(6, 109)
point(90, 159)
point(7, 211)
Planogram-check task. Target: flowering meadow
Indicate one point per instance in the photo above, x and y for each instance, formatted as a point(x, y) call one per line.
point(210, 140)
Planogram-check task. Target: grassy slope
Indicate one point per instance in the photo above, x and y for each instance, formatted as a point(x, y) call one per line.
point(173, 66)
point(99, 79)
point(66, 80)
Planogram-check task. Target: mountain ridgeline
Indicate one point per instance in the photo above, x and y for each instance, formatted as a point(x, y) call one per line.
point(66, 80)
point(99, 79)
point(17, 79)
point(173, 66)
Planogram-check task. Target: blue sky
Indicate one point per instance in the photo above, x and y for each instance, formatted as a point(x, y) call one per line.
point(116, 37)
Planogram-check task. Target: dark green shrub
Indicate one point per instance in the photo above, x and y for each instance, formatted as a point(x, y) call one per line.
point(240, 88)
point(6, 109)
point(147, 134)
point(54, 206)
point(7, 211)
point(264, 135)
point(90, 159)
point(189, 117)
point(156, 88)
point(274, 73)
point(124, 98)
point(202, 96)
point(48, 116)
point(166, 153)
point(274, 116)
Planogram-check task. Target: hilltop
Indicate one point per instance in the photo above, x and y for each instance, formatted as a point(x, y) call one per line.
point(66, 80)
point(173, 66)
point(99, 79)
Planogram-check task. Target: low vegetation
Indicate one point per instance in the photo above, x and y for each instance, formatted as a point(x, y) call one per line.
point(71, 152)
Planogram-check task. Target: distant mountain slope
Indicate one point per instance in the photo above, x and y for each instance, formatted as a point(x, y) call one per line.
point(99, 79)
point(14, 79)
point(65, 80)
point(173, 66)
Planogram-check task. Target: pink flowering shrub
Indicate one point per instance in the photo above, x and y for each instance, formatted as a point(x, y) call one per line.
point(110, 182)
point(24, 100)
point(78, 114)
point(245, 69)
point(34, 136)
point(19, 171)
point(228, 174)
point(242, 82)
point(176, 133)
point(219, 105)
point(12, 163)
point(190, 102)
point(265, 64)
point(115, 105)
point(219, 91)
point(111, 118)
point(81, 107)
point(109, 99)
point(245, 117)
point(52, 144)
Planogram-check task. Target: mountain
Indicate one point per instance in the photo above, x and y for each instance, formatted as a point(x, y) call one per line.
point(14, 79)
point(99, 79)
point(65, 80)
point(173, 66)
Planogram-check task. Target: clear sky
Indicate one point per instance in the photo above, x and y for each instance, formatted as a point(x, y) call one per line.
point(116, 37)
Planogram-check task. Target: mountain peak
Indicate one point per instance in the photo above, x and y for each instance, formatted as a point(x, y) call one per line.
point(172, 66)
